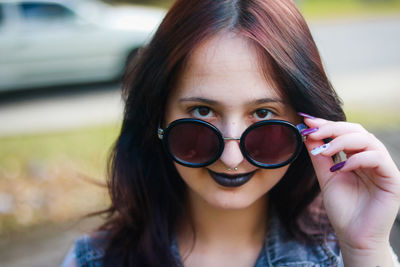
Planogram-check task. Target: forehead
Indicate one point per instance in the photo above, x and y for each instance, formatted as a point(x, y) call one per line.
point(226, 65)
point(223, 53)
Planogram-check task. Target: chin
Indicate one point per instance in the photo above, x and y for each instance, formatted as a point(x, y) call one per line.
point(233, 198)
point(233, 202)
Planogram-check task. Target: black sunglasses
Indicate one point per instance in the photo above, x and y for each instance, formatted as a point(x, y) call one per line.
point(266, 144)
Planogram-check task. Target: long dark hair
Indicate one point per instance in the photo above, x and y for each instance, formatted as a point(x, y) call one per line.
point(146, 191)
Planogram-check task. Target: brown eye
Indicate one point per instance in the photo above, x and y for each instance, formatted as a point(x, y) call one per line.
point(202, 112)
point(262, 114)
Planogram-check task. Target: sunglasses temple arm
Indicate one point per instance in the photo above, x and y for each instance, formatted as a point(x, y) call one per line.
point(302, 127)
point(160, 133)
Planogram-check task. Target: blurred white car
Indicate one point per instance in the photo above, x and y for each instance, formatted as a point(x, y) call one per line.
point(52, 42)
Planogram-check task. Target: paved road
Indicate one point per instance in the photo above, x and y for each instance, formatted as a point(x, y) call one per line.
point(62, 108)
point(362, 59)
point(357, 46)
point(44, 246)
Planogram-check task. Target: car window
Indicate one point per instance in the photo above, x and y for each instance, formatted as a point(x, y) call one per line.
point(45, 12)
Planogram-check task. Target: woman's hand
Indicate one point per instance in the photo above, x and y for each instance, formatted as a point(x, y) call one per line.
point(362, 196)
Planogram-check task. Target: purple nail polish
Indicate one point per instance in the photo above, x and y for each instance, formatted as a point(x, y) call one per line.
point(309, 131)
point(338, 166)
point(305, 115)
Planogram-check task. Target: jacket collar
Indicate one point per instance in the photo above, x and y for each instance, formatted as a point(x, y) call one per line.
point(281, 250)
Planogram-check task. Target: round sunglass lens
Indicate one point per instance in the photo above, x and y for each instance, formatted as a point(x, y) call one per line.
point(271, 144)
point(193, 143)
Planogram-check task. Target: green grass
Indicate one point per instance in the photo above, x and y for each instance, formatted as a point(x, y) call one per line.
point(316, 9)
point(87, 147)
point(379, 119)
point(348, 9)
point(156, 3)
point(54, 177)
point(321, 9)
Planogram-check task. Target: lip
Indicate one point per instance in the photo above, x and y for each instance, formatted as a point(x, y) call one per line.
point(229, 180)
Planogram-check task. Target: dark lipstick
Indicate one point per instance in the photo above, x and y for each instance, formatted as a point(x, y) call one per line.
point(231, 180)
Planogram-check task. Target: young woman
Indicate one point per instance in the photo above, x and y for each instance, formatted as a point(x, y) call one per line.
point(214, 166)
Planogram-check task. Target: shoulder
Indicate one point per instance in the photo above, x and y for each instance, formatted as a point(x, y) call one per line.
point(280, 249)
point(88, 251)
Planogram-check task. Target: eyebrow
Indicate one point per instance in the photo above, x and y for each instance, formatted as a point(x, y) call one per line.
point(199, 99)
point(266, 100)
point(213, 102)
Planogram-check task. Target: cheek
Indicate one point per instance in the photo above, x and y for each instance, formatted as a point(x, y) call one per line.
point(188, 174)
point(269, 178)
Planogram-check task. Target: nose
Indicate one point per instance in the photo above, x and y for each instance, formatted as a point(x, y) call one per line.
point(232, 156)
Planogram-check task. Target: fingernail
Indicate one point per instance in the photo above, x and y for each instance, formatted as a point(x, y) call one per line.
point(305, 115)
point(319, 149)
point(309, 131)
point(338, 166)
point(301, 126)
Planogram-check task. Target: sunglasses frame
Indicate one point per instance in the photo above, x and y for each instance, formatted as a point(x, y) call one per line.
point(164, 133)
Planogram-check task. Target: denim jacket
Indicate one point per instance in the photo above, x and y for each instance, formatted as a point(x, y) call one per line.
point(278, 251)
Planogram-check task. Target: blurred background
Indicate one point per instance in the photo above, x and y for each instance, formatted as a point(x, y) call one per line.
point(60, 107)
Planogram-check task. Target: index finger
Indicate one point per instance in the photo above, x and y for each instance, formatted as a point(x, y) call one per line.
point(332, 129)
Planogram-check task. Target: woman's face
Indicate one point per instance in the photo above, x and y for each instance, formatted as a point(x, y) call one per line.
point(224, 85)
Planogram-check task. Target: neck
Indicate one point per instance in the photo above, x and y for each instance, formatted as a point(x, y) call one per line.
point(215, 226)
